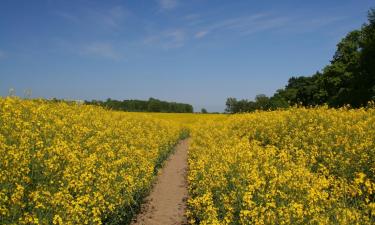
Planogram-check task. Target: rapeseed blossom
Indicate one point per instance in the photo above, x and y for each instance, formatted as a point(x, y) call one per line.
point(295, 166)
point(75, 164)
point(66, 163)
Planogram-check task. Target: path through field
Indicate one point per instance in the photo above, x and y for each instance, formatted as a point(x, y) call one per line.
point(166, 203)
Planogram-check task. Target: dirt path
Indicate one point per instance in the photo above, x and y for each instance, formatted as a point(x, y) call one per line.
point(166, 203)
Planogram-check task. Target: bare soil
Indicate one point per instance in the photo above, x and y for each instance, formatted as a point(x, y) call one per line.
point(166, 204)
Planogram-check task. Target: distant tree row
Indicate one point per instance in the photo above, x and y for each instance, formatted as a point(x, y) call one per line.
point(262, 102)
point(348, 80)
point(150, 105)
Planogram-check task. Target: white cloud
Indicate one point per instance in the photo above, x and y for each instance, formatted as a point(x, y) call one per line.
point(167, 4)
point(168, 39)
point(175, 39)
point(193, 19)
point(201, 34)
point(246, 24)
point(251, 24)
point(100, 49)
point(243, 25)
point(107, 18)
point(112, 17)
point(264, 25)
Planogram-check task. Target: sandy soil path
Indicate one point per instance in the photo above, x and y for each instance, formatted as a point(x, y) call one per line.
point(166, 203)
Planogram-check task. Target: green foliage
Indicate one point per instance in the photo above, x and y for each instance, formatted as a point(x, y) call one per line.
point(348, 80)
point(262, 102)
point(203, 110)
point(151, 105)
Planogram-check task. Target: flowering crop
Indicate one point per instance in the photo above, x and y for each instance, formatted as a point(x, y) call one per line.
point(74, 164)
point(66, 163)
point(297, 166)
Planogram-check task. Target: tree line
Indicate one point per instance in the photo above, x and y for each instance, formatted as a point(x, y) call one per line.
point(349, 79)
point(150, 105)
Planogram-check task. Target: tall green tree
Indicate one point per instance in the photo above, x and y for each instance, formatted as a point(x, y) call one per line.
point(348, 79)
point(368, 56)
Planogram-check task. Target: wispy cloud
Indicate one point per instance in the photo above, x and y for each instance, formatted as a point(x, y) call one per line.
point(201, 34)
point(100, 49)
point(308, 24)
point(91, 22)
point(112, 17)
point(316, 23)
point(109, 18)
point(168, 39)
point(243, 25)
point(175, 39)
point(267, 24)
point(187, 29)
point(193, 19)
point(167, 4)
point(261, 22)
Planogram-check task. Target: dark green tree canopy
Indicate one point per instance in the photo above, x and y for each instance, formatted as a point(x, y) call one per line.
point(151, 105)
point(348, 80)
point(203, 110)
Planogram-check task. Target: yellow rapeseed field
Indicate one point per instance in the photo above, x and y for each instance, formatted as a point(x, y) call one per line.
point(65, 163)
point(76, 164)
point(298, 166)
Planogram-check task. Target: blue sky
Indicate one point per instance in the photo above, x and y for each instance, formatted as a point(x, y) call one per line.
point(194, 51)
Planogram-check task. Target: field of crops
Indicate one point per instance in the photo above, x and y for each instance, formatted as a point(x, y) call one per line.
point(300, 166)
point(66, 163)
point(74, 164)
